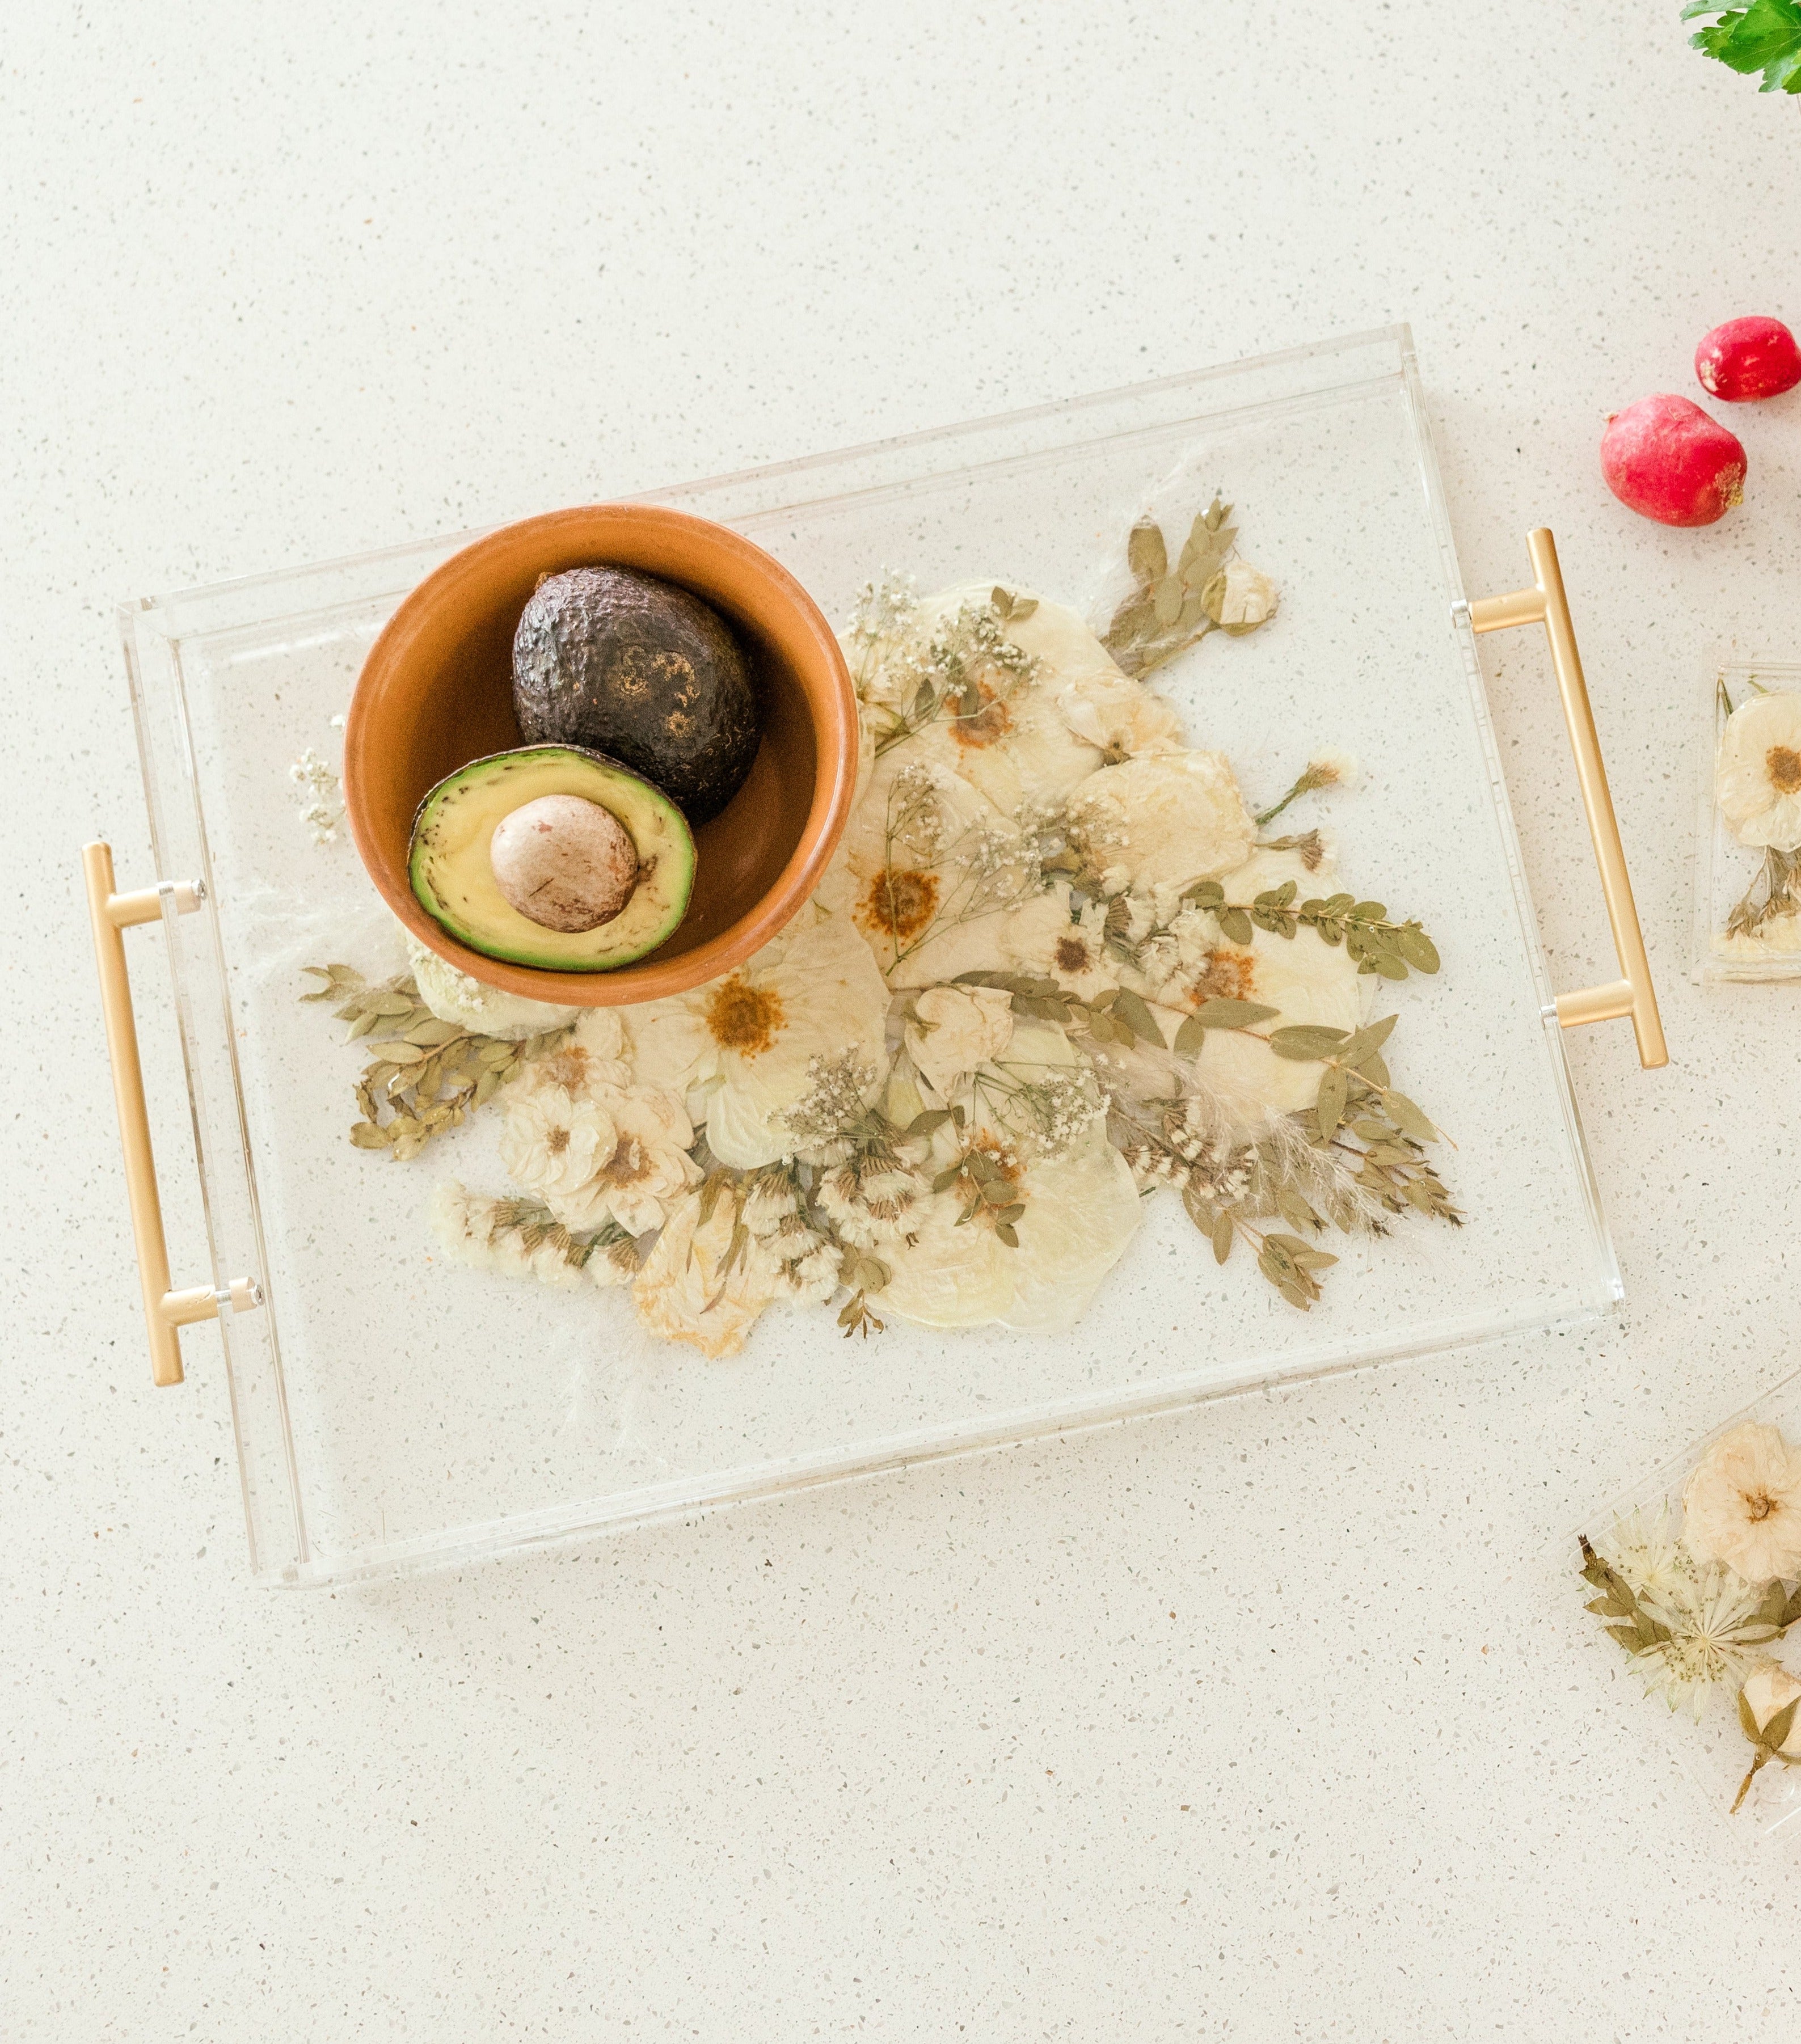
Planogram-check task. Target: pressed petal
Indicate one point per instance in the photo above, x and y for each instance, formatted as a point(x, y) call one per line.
point(1166, 816)
point(1758, 776)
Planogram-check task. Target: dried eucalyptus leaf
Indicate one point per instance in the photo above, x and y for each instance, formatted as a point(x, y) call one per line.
point(1132, 1010)
point(1328, 1109)
point(1236, 924)
point(1223, 1231)
point(397, 1053)
point(1004, 1232)
point(1408, 1118)
point(1416, 947)
point(1306, 1043)
point(1221, 1013)
point(1191, 1036)
point(1145, 553)
point(1167, 600)
point(366, 1135)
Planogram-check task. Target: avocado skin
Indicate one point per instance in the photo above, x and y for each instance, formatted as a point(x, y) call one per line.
point(628, 664)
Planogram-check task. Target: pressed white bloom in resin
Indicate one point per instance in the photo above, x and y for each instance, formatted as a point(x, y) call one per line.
point(958, 1028)
point(1717, 1634)
point(1241, 597)
point(1770, 1690)
point(1044, 1155)
point(1167, 817)
point(553, 1142)
point(1071, 950)
point(705, 1281)
point(1742, 1504)
point(1302, 978)
point(743, 1049)
point(1757, 776)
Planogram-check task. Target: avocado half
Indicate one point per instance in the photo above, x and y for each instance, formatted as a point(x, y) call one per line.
point(448, 864)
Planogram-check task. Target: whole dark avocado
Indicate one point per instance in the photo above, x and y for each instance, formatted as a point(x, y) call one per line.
point(629, 665)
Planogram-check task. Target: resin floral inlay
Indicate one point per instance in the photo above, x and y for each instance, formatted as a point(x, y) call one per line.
point(1058, 968)
point(1701, 1593)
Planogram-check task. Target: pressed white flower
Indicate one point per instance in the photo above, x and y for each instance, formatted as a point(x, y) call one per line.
point(811, 1280)
point(1647, 1553)
point(1770, 1690)
point(705, 1282)
point(1757, 773)
point(1239, 598)
point(553, 1141)
point(1036, 734)
point(487, 1011)
point(1717, 1634)
point(769, 1200)
point(647, 1169)
point(1079, 1209)
point(872, 1203)
point(594, 1056)
point(1302, 978)
point(743, 1050)
point(1071, 950)
point(1742, 1504)
point(958, 1028)
point(924, 913)
point(1167, 817)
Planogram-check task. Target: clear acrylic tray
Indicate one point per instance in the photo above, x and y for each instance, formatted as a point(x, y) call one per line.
point(1699, 1729)
point(392, 1411)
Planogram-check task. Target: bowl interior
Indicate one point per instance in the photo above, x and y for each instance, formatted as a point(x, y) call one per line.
point(437, 691)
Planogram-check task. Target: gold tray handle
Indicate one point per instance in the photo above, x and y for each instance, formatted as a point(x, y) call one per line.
point(165, 1312)
point(1546, 603)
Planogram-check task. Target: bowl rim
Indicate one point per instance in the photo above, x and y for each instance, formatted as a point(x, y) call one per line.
point(650, 979)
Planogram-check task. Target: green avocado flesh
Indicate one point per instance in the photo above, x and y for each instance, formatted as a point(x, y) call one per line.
point(449, 869)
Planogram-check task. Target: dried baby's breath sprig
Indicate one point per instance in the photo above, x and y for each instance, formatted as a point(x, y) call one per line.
point(1171, 609)
point(425, 1074)
point(321, 800)
point(1378, 944)
point(885, 605)
point(962, 672)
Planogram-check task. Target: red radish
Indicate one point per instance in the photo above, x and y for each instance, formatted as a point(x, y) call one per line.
point(1666, 459)
point(1747, 358)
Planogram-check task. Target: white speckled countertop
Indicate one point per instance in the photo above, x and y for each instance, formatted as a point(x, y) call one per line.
point(1261, 1722)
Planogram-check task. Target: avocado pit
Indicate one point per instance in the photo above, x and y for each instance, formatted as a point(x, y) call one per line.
point(564, 861)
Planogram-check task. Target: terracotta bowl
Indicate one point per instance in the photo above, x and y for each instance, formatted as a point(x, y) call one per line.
point(437, 691)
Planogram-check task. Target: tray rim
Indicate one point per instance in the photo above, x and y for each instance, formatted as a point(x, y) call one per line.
point(158, 619)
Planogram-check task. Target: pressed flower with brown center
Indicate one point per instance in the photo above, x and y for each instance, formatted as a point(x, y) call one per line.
point(1076, 955)
point(1758, 1504)
point(568, 1067)
point(556, 1141)
point(627, 1164)
point(1784, 764)
point(901, 903)
point(992, 721)
point(745, 1018)
point(1225, 975)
